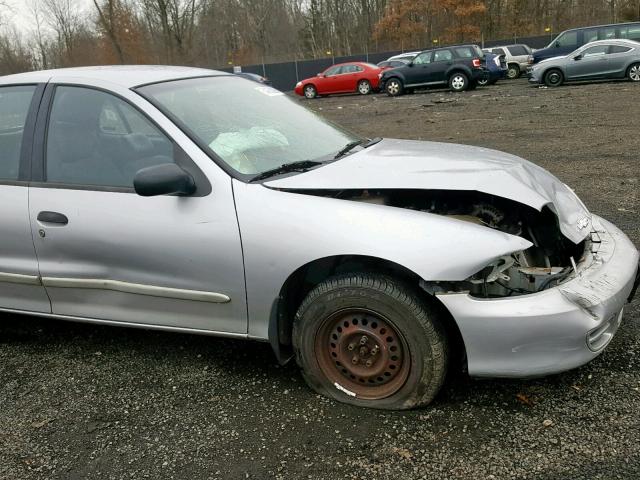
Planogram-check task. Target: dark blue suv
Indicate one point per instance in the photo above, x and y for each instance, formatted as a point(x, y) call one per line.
point(570, 40)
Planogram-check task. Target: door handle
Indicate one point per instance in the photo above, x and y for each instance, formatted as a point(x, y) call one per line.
point(53, 217)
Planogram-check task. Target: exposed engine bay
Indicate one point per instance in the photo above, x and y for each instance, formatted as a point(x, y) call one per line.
point(550, 260)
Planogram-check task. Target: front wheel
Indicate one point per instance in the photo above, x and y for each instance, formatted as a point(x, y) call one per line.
point(458, 82)
point(634, 72)
point(394, 87)
point(513, 72)
point(553, 78)
point(364, 87)
point(310, 91)
point(369, 340)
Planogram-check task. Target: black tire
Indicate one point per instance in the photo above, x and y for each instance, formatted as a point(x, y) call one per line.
point(394, 87)
point(483, 81)
point(310, 92)
point(513, 71)
point(472, 85)
point(421, 349)
point(633, 73)
point(458, 82)
point(553, 78)
point(364, 87)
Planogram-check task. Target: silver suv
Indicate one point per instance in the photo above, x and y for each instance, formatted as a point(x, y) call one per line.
point(516, 56)
point(191, 200)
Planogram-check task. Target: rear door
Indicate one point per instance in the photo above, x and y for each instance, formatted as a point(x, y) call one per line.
point(107, 253)
point(618, 58)
point(349, 77)
point(440, 64)
point(20, 287)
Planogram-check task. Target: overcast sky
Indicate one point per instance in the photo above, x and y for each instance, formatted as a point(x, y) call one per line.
point(18, 13)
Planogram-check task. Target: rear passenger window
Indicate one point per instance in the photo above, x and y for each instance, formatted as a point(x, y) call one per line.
point(618, 49)
point(606, 33)
point(517, 50)
point(632, 32)
point(442, 55)
point(589, 35)
point(462, 52)
point(14, 106)
point(97, 139)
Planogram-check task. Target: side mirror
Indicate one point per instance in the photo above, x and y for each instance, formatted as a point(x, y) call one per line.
point(164, 179)
point(410, 64)
point(578, 57)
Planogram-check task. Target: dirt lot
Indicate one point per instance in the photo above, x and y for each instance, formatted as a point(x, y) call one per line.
point(81, 401)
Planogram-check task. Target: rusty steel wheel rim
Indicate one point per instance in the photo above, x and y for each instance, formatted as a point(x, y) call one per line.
point(362, 353)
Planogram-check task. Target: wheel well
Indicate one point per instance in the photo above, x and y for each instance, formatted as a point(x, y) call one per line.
point(305, 278)
point(395, 77)
point(458, 70)
point(551, 69)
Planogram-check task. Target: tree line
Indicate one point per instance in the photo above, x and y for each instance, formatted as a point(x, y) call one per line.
point(217, 33)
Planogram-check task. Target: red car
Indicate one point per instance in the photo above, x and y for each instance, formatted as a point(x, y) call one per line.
point(358, 77)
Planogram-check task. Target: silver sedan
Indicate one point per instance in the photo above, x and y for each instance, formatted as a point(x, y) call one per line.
point(602, 59)
point(192, 200)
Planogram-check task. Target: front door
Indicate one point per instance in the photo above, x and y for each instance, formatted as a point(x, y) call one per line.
point(20, 287)
point(107, 253)
point(592, 63)
point(418, 72)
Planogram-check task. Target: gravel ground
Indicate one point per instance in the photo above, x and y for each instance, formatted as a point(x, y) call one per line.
point(82, 401)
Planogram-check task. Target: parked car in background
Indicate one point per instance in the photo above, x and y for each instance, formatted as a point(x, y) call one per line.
point(516, 57)
point(387, 64)
point(496, 66)
point(360, 77)
point(255, 77)
point(603, 59)
point(404, 56)
point(188, 200)
point(570, 40)
point(459, 67)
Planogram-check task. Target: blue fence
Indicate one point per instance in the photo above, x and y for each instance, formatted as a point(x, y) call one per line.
point(285, 75)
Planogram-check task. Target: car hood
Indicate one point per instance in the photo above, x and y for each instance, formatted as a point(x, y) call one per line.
point(405, 164)
point(551, 59)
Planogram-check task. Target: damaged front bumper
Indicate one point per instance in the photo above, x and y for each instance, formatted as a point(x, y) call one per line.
point(556, 329)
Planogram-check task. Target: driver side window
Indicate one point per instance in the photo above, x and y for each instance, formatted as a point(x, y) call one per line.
point(422, 58)
point(596, 51)
point(97, 139)
point(333, 71)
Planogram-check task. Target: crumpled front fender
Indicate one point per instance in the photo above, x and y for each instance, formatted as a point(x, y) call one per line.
point(282, 231)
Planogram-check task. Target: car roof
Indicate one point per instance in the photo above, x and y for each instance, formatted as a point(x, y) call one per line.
point(449, 46)
point(505, 46)
point(600, 26)
point(616, 41)
point(348, 63)
point(127, 76)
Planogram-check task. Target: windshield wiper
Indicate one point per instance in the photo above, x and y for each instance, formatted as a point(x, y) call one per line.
point(351, 145)
point(301, 166)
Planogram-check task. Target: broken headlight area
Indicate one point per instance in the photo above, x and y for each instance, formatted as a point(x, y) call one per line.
point(548, 262)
